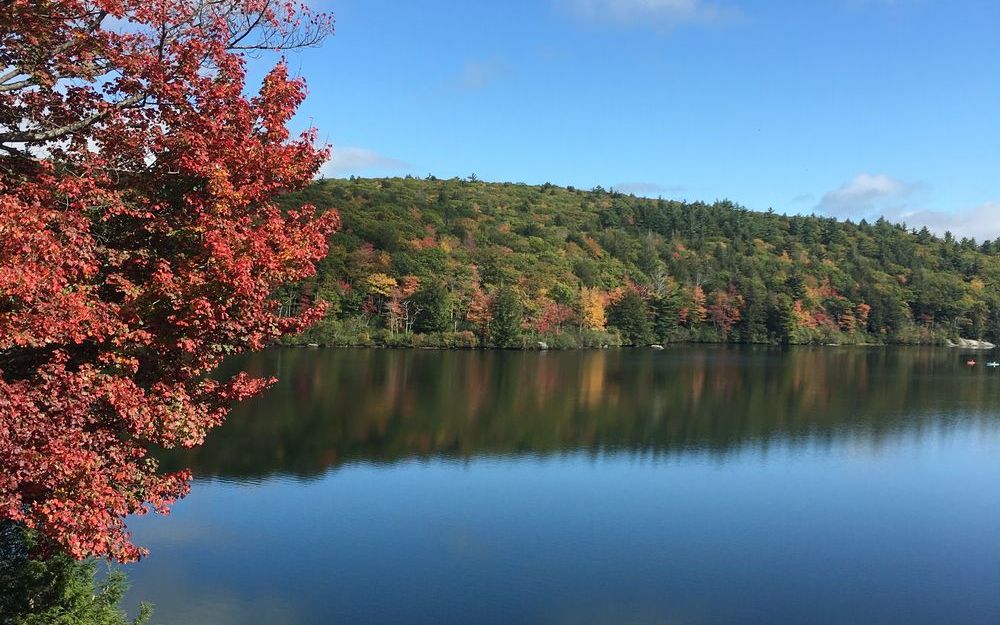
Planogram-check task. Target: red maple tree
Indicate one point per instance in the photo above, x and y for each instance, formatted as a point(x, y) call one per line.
point(139, 243)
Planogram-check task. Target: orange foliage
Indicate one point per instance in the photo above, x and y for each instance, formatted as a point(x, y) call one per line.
point(725, 312)
point(480, 309)
point(552, 316)
point(697, 312)
point(803, 317)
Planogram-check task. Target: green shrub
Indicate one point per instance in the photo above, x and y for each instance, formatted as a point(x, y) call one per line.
point(58, 590)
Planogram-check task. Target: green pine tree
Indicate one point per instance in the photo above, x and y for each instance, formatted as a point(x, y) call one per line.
point(505, 325)
point(631, 316)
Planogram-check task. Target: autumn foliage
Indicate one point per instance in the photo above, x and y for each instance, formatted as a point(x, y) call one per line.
point(139, 243)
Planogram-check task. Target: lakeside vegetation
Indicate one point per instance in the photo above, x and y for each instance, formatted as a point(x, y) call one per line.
point(57, 589)
point(465, 263)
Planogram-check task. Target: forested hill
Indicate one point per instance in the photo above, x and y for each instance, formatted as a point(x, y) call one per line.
point(464, 262)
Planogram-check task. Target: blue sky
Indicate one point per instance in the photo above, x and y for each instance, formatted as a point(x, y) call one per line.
point(852, 108)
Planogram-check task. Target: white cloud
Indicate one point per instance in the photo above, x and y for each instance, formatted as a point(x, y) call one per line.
point(981, 222)
point(865, 195)
point(657, 14)
point(870, 196)
point(352, 160)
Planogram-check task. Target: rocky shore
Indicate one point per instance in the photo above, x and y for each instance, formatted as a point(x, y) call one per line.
point(971, 344)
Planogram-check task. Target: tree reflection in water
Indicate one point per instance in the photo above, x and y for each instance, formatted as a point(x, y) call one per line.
point(335, 406)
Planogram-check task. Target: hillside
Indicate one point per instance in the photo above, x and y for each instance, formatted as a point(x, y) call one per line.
point(430, 262)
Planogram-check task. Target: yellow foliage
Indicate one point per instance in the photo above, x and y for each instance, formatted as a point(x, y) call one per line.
point(381, 284)
point(592, 247)
point(592, 303)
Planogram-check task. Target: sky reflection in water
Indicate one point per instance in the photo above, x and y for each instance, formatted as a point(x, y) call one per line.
point(696, 485)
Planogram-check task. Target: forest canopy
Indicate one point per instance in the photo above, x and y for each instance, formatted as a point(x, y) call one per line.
point(449, 262)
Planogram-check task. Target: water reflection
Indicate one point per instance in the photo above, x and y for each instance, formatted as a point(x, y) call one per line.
point(336, 406)
point(711, 486)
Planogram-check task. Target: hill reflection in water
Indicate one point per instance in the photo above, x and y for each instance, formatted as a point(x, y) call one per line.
point(332, 407)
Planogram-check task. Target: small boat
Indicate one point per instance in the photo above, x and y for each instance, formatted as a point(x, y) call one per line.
point(993, 363)
point(971, 363)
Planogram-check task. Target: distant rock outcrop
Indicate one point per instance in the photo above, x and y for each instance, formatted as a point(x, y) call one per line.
point(972, 344)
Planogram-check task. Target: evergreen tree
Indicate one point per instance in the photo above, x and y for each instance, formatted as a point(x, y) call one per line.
point(432, 304)
point(505, 324)
point(666, 311)
point(58, 590)
point(631, 316)
point(781, 319)
point(753, 323)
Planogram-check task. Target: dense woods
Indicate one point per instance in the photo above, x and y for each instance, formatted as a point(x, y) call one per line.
point(464, 263)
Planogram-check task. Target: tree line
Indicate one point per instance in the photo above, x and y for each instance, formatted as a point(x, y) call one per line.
point(464, 263)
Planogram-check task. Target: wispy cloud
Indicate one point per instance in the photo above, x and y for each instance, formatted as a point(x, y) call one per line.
point(478, 75)
point(865, 195)
point(981, 222)
point(352, 160)
point(869, 196)
point(647, 188)
point(657, 14)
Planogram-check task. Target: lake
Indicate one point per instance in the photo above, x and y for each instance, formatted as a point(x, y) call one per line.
point(694, 485)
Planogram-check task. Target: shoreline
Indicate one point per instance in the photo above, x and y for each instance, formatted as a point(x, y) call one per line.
point(651, 347)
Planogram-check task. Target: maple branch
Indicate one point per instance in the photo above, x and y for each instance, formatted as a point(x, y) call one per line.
point(36, 136)
point(16, 71)
point(14, 86)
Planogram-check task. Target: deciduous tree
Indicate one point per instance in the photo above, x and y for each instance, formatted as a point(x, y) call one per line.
point(139, 243)
point(592, 305)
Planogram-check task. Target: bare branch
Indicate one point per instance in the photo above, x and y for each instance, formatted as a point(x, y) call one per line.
point(14, 86)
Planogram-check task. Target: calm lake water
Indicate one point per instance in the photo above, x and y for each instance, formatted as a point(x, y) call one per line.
point(688, 486)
